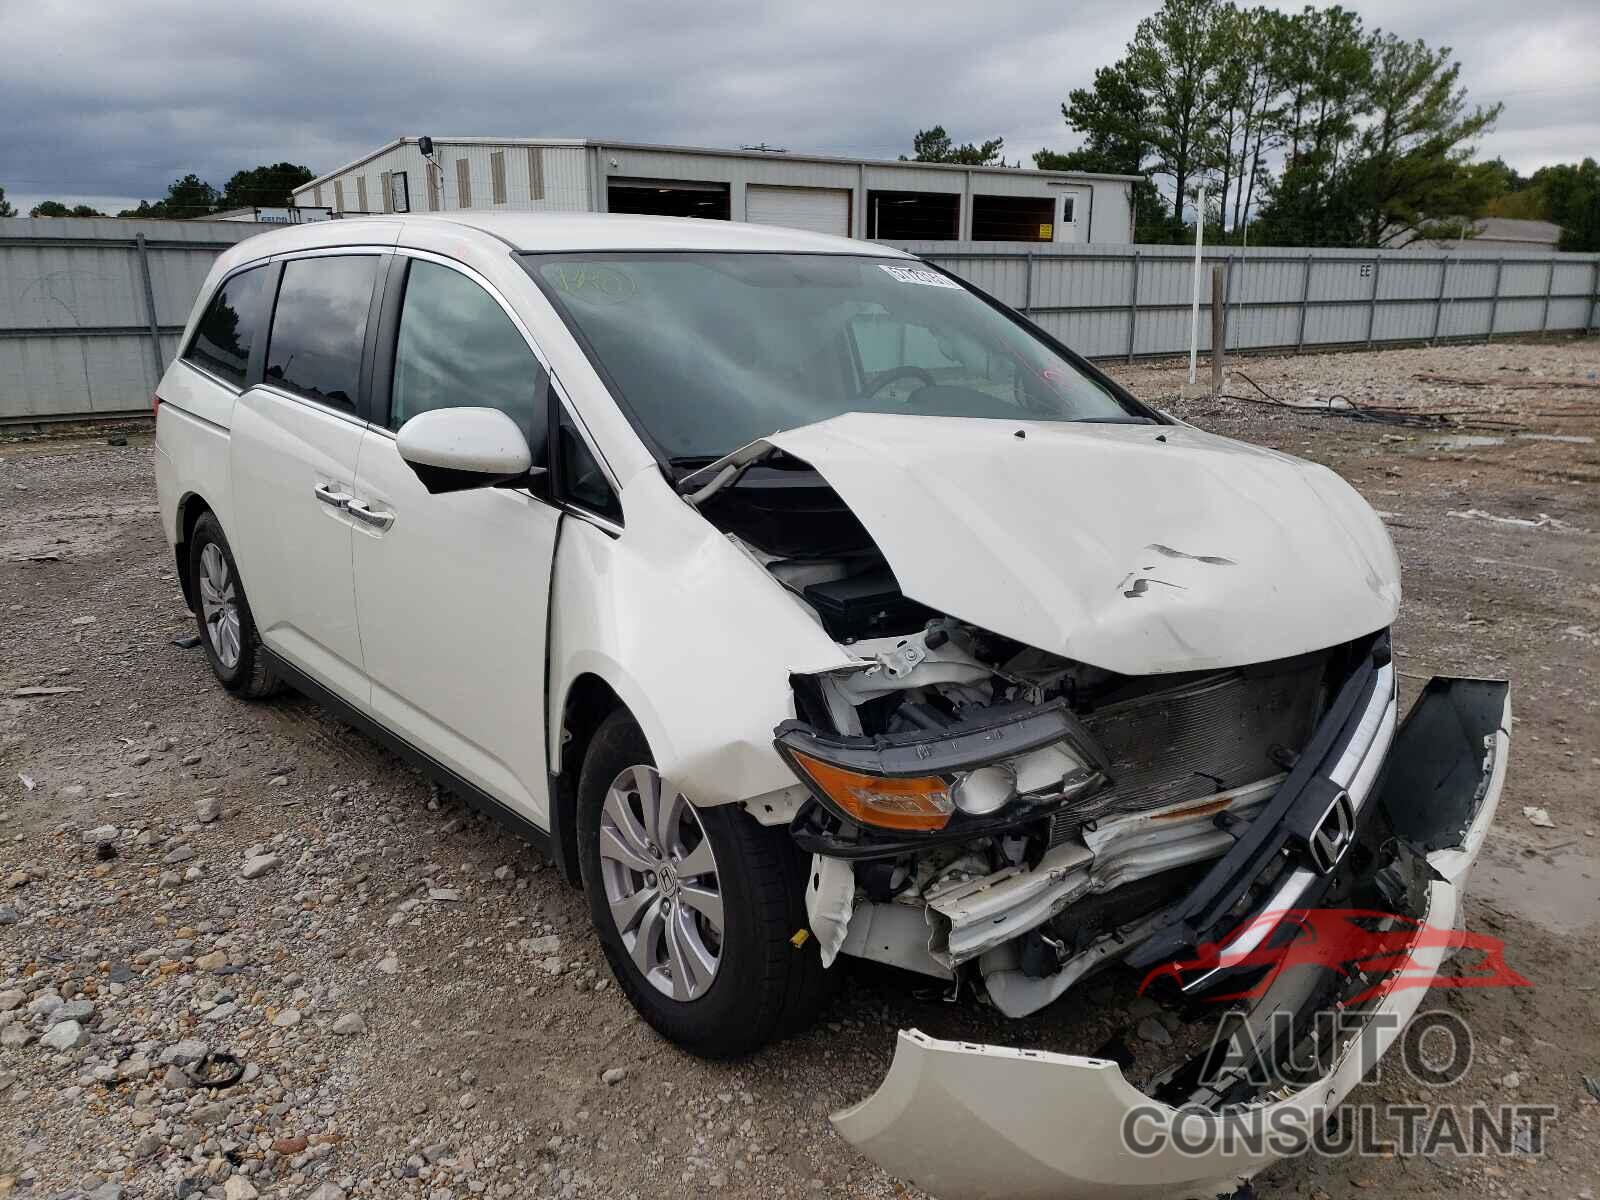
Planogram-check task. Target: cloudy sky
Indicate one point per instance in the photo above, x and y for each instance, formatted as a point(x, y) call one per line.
point(109, 102)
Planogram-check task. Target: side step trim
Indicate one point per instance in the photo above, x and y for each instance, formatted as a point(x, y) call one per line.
point(512, 820)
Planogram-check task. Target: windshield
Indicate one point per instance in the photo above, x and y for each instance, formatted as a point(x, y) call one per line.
point(710, 351)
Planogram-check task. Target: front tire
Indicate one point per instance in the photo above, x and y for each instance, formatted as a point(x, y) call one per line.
point(227, 629)
point(695, 907)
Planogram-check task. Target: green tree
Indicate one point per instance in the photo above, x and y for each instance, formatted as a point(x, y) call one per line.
point(264, 186)
point(187, 199)
point(1173, 60)
point(934, 145)
point(54, 208)
point(1113, 119)
point(1250, 86)
point(1571, 194)
point(1412, 175)
point(7, 209)
point(190, 198)
point(1323, 58)
point(1514, 196)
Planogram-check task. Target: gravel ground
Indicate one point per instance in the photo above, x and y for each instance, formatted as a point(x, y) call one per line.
point(415, 998)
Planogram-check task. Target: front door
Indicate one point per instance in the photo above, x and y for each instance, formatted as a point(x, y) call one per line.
point(292, 458)
point(452, 591)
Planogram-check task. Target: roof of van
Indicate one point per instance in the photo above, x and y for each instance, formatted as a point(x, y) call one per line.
point(534, 232)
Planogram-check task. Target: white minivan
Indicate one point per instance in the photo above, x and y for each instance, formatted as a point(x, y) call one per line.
point(801, 601)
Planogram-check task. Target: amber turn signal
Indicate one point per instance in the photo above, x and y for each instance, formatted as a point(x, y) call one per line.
point(921, 803)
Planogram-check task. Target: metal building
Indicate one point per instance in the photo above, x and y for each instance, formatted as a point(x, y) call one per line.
point(864, 198)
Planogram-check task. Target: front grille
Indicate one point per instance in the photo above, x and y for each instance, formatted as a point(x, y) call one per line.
point(1198, 739)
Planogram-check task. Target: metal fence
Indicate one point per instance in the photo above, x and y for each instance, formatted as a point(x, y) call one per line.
point(1125, 302)
point(90, 310)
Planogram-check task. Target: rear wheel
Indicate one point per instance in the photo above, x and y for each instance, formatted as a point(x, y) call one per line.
point(695, 908)
point(227, 630)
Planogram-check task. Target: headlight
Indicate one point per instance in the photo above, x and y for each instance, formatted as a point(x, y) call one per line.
point(916, 803)
point(986, 790)
point(918, 780)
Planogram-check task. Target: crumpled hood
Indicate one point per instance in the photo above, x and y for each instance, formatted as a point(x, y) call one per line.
point(1137, 548)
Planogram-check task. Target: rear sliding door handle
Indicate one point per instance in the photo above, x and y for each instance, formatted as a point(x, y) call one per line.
point(369, 516)
point(331, 495)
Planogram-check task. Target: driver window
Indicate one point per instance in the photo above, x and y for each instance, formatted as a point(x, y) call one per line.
point(457, 348)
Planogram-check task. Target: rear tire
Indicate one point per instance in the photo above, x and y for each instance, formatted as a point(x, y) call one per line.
point(762, 986)
point(227, 629)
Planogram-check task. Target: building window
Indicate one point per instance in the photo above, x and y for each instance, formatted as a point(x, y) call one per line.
point(914, 216)
point(535, 173)
point(1068, 206)
point(669, 198)
point(396, 192)
point(463, 183)
point(1013, 218)
point(497, 175)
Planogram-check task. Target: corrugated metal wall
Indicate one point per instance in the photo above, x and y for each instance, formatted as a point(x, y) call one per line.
point(557, 182)
point(1125, 301)
point(76, 334)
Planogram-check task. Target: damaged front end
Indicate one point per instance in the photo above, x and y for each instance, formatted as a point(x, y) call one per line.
point(1023, 821)
point(1146, 746)
point(1415, 838)
point(994, 817)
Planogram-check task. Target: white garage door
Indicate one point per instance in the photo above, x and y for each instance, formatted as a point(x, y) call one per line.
point(821, 210)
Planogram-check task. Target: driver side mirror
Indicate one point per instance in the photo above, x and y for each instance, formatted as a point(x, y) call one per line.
point(454, 449)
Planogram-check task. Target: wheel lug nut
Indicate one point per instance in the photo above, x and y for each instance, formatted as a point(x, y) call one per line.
point(650, 879)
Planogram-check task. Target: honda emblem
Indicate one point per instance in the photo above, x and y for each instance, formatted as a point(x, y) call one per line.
point(1334, 833)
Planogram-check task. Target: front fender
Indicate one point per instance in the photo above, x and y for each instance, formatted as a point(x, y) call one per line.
point(693, 635)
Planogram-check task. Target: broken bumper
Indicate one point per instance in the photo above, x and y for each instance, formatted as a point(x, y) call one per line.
point(965, 1120)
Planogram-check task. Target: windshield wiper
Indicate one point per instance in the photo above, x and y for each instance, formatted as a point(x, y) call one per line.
point(688, 464)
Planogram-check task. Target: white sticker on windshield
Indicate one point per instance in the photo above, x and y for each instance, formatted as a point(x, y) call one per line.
point(922, 276)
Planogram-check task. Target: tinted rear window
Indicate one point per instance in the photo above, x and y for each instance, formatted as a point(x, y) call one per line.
point(230, 325)
point(320, 325)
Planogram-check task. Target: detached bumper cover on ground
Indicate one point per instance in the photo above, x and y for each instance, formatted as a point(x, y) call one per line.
point(965, 1120)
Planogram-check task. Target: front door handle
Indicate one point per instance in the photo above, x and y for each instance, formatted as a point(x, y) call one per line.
point(369, 516)
point(331, 495)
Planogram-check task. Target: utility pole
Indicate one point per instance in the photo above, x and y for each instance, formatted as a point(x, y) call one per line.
point(1194, 303)
point(1219, 329)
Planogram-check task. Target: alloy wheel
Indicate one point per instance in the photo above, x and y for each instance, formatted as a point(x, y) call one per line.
point(661, 885)
point(219, 606)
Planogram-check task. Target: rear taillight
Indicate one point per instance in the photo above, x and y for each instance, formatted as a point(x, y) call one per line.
point(155, 403)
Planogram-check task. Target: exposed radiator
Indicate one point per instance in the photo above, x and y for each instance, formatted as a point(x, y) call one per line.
point(1204, 737)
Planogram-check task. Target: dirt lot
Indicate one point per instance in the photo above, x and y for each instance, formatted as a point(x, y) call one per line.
point(416, 997)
